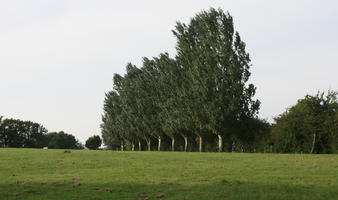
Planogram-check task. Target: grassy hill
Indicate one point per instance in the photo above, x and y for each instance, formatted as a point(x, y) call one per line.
point(83, 174)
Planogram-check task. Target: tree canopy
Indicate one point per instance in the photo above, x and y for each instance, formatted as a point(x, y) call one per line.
point(93, 142)
point(201, 93)
point(27, 134)
point(310, 126)
point(17, 133)
point(61, 140)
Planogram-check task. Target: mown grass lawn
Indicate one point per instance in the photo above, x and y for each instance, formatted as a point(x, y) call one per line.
point(84, 174)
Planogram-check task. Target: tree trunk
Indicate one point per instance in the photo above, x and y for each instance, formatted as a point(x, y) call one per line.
point(173, 144)
point(121, 146)
point(148, 143)
point(200, 139)
point(200, 143)
point(313, 143)
point(185, 143)
point(139, 145)
point(220, 144)
point(159, 143)
point(133, 146)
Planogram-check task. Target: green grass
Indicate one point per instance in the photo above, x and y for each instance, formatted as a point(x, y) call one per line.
point(83, 174)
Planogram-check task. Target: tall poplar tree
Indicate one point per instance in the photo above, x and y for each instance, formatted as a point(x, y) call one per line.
point(204, 90)
point(216, 66)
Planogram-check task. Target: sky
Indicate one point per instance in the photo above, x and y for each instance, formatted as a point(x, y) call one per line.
point(58, 57)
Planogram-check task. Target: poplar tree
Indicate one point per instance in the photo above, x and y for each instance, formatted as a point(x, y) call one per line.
point(216, 66)
point(204, 90)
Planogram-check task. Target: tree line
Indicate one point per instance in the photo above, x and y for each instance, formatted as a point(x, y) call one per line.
point(201, 94)
point(15, 133)
point(26, 134)
point(201, 99)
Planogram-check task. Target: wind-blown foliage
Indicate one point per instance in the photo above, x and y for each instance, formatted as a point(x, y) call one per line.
point(200, 94)
point(216, 68)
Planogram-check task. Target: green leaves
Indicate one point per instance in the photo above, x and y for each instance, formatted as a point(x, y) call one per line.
point(93, 142)
point(215, 62)
point(311, 115)
point(18, 133)
point(203, 90)
point(61, 140)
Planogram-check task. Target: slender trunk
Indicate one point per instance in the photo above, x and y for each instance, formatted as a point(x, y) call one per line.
point(121, 146)
point(313, 142)
point(200, 138)
point(220, 144)
point(148, 143)
point(173, 144)
point(133, 146)
point(185, 143)
point(139, 145)
point(200, 143)
point(159, 143)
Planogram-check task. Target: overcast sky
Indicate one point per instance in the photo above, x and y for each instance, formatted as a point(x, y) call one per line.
point(58, 57)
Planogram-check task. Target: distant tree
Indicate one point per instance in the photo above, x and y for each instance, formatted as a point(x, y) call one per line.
point(18, 133)
point(61, 140)
point(309, 126)
point(93, 142)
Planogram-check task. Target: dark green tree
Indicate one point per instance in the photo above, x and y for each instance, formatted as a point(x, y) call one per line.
point(309, 126)
point(160, 97)
point(254, 134)
point(134, 106)
point(111, 128)
point(18, 133)
point(93, 142)
point(61, 140)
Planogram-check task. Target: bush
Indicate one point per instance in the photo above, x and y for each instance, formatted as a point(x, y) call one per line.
point(93, 142)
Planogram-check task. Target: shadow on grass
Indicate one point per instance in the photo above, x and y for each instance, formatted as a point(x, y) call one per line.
point(204, 191)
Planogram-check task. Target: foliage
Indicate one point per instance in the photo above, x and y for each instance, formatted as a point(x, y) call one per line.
point(216, 68)
point(202, 93)
point(93, 142)
point(61, 140)
point(254, 135)
point(309, 126)
point(17, 133)
point(27, 134)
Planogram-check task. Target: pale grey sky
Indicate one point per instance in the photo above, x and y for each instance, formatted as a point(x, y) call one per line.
point(58, 57)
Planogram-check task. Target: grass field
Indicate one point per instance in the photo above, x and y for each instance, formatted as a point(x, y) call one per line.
point(83, 174)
